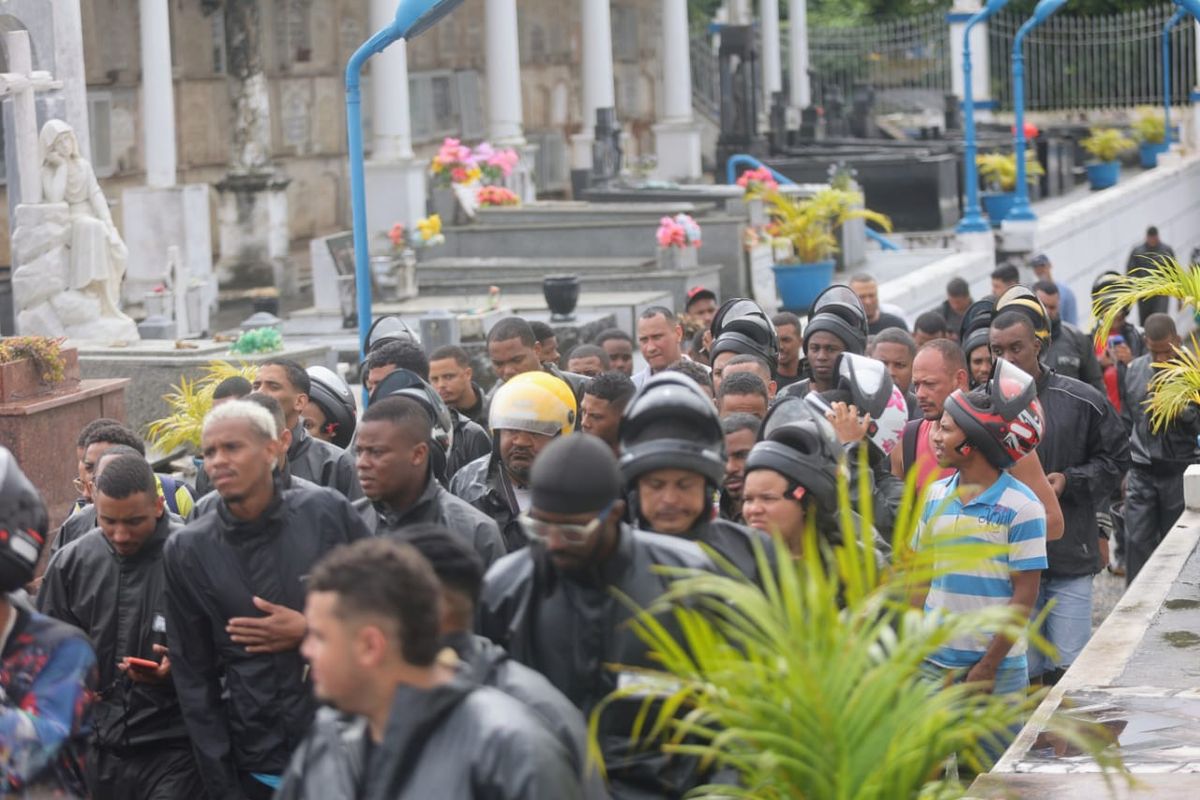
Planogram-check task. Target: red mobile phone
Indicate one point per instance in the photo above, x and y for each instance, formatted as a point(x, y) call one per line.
point(143, 663)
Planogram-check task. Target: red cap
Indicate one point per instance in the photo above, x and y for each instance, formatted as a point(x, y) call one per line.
point(699, 293)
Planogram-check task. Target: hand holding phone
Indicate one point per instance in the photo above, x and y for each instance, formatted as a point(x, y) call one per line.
point(144, 670)
point(141, 663)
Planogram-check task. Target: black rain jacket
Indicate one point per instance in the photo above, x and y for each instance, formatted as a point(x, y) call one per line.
point(1084, 440)
point(484, 484)
point(574, 629)
point(1072, 355)
point(1168, 452)
point(322, 463)
point(120, 603)
point(458, 741)
point(246, 712)
point(438, 506)
point(471, 441)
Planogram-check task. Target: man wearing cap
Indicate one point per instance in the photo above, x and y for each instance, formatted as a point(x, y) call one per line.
point(1143, 259)
point(563, 604)
point(527, 412)
point(1068, 311)
point(392, 458)
point(701, 305)
point(837, 325)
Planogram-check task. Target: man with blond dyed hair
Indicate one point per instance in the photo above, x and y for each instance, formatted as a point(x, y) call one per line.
point(235, 590)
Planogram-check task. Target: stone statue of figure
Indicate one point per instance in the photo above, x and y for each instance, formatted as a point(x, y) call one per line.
point(96, 253)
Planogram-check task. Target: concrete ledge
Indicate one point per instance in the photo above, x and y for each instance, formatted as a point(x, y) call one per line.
point(924, 288)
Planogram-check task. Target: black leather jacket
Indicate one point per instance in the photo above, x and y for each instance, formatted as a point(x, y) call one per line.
point(1072, 355)
point(438, 506)
point(322, 463)
point(484, 484)
point(120, 603)
point(569, 626)
point(1083, 440)
point(458, 741)
point(246, 712)
point(470, 442)
point(1169, 451)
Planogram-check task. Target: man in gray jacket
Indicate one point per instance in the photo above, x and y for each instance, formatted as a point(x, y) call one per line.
point(410, 727)
point(392, 450)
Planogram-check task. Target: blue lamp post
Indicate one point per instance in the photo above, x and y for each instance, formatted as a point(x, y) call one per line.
point(412, 18)
point(972, 221)
point(1021, 211)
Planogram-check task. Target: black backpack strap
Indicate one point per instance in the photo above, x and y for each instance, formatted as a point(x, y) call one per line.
point(911, 429)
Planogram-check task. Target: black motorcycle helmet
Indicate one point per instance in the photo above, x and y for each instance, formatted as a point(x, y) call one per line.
point(1025, 301)
point(671, 424)
point(23, 525)
point(978, 316)
point(406, 383)
point(333, 395)
point(838, 310)
point(742, 327)
point(800, 445)
point(390, 327)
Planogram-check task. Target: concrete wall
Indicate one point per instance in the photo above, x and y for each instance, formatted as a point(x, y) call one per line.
point(1097, 233)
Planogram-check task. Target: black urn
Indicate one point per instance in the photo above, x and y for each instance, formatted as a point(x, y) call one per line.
point(562, 295)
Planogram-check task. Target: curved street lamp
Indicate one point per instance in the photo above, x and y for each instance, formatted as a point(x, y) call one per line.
point(412, 18)
point(1021, 211)
point(972, 221)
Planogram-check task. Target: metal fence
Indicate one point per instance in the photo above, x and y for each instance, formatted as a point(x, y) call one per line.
point(706, 77)
point(1094, 62)
point(905, 61)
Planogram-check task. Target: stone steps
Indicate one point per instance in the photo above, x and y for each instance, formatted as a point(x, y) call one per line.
point(467, 272)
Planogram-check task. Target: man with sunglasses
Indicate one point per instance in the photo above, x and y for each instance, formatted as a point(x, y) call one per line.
point(554, 605)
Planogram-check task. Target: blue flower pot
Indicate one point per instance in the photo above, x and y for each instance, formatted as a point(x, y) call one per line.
point(1103, 174)
point(799, 284)
point(1149, 152)
point(996, 205)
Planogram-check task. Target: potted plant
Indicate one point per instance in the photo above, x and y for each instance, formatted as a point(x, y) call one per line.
point(806, 228)
point(678, 242)
point(1105, 145)
point(35, 365)
point(1150, 130)
point(998, 171)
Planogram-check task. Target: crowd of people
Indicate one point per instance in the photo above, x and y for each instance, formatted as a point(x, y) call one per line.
point(432, 598)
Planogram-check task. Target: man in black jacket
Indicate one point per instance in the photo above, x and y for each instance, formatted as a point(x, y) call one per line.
point(673, 463)
point(409, 728)
point(451, 374)
point(554, 606)
point(513, 349)
point(235, 584)
point(1144, 258)
point(1084, 451)
point(1071, 352)
point(460, 573)
point(310, 458)
point(1154, 484)
point(110, 585)
point(393, 468)
point(526, 414)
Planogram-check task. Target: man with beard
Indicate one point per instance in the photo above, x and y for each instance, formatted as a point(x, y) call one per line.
point(110, 584)
point(392, 452)
point(740, 432)
point(527, 413)
point(563, 605)
point(235, 581)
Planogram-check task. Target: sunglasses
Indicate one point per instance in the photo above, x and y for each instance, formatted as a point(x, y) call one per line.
point(537, 529)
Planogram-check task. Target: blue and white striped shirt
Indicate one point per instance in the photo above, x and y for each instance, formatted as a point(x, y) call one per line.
point(1007, 513)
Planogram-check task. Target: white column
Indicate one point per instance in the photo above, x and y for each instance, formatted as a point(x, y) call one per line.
point(395, 179)
point(158, 94)
point(389, 92)
point(980, 79)
point(801, 91)
point(598, 89)
point(503, 73)
point(771, 66)
point(68, 68)
point(24, 115)
point(677, 137)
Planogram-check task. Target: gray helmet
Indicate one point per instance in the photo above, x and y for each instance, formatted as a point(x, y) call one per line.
point(333, 395)
point(23, 525)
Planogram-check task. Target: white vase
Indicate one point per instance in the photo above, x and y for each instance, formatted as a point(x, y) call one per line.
point(677, 258)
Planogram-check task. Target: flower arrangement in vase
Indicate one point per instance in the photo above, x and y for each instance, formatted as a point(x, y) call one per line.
point(678, 240)
point(495, 196)
point(757, 182)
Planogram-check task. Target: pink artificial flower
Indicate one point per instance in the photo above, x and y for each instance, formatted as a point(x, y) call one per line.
point(505, 160)
point(666, 227)
point(484, 153)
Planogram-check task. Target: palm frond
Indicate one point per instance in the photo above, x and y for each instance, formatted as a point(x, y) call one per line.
point(811, 686)
point(1174, 388)
point(1163, 276)
point(189, 404)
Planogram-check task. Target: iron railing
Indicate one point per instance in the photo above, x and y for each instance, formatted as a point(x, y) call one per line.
point(905, 61)
point(706, 77)
point(1113, 61)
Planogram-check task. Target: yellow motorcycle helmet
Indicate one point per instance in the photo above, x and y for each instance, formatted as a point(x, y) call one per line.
point(536, 402)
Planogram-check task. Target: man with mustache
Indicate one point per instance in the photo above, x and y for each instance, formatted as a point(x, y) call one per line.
point(527, 412)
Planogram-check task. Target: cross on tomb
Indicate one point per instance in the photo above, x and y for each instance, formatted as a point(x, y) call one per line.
point(21, 83)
